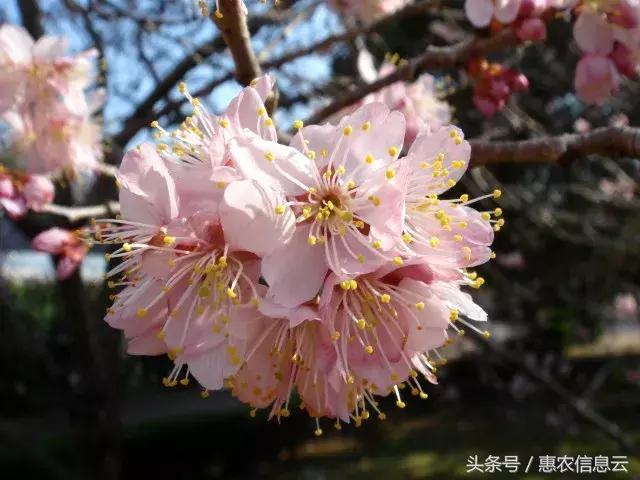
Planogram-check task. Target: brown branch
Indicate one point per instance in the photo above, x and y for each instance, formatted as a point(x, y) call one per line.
point(559, 150)
point(434, 57)
point(231, 20)
point(31, 17)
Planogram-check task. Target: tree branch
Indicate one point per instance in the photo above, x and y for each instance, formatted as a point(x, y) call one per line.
point(31, 17)
point(560, 150)
point(232, 24)
point(75, 214)
point(434, 57)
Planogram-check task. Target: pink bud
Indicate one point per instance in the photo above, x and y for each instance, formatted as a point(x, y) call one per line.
point(486, 105)
point(596, 77)
point(622, 57)
point(38, 192)
point(499, 89)
point(519, 82)
point(6, 187)
point(53, 240)
point(532, 29)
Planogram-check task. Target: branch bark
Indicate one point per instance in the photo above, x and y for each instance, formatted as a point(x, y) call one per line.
point(560, 150)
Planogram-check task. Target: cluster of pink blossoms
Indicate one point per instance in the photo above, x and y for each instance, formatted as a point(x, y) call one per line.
point(367, 11)
point(493, 85)
point(606, 31)
point(608, 34)
point(20, 192)
point(43, 102)
point(330, 266)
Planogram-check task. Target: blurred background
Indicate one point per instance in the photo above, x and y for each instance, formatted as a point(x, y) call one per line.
point(560, 376)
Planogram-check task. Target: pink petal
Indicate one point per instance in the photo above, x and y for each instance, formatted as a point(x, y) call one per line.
point(256, 159)
point(295, 272)
point(249, 219)
point(38, 192)
point(593, 34)
point(479, 12)
point(506, 11)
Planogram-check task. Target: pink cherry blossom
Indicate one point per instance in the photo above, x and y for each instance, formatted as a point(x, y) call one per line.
point(19, 192)
point(418, 101)
point(43, 102)
point(67, 245)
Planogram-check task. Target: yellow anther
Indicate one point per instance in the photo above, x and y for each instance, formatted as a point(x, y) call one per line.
point(464, 198)
point(142, 312)
point(184, 382)
point(269, 156)
point(362, 323)
point(407, 238)
point(461, 333)
point(486, 216)
point(467, 253)
point(375, 200)
point(231, 293)
point(222, 261)
point(346, 216)
point(317, 432)
point(348, 130)
point(285, 412)
point(420, 306)
point(486, 334)
point(385, 298)
point(400, 404)
point(126, 247)
point(161, 335)
point(218, 14)
point(434, 241)
point(369, 158)
point(453, 314)
point(252, 413)
point(345, 285)
point(154, 124)
point(204, 394)
point(382, 416)
point(182, 87)
point(335, 336)
point(224, 123)
point(168, 240)
point(366, 126)
point(500, 222)
point(361, 258)
point(451, 182)
point(393, 151)
point(111, 284)
point(423, 396)
point(351, 185)
point(390, 174)
point(268, 122)
point(340, 170)
point(280, 209)
point(261, 111)
point(324, 152)
point(353, 284)
point(492, 255)
point(311, 155)
point(369, 349)
point(497, 212)
point(204, 291)
point(312, 240)
point(497, 193)
point(457, 164)
point(298, 124)
point(398, 261)
point(377, 244)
